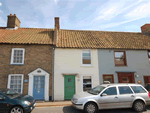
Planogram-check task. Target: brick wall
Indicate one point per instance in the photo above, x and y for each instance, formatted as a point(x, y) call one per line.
point(35, 56)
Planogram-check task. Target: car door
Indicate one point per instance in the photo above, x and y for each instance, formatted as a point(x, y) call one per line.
point(3, 104)
point(110, 100)
point(125, 96)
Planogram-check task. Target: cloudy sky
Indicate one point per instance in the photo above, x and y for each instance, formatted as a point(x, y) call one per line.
point(104, 15)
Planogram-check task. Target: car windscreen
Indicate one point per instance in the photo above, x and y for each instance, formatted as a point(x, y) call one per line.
point(10, 93)
point(96, 90)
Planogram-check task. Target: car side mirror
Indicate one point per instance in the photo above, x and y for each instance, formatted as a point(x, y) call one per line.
point(104, 94)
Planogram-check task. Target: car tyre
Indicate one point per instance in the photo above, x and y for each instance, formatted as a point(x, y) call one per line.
point(90, 108)
point(139, 106)
point(16, 109)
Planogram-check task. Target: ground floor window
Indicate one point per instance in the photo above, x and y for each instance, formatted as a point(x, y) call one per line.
point(87, 83)
point(146, 80)
point(15, 82)
point(109, 78)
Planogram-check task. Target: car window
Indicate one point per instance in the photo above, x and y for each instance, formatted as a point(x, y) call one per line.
point(125, 90)
point(111, 91)
point(138, 89)
point(1, 97)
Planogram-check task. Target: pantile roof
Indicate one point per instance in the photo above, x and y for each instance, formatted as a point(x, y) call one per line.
point(27, 36)
point(102, 39)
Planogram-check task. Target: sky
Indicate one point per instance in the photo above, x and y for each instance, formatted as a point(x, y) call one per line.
point(101, 15)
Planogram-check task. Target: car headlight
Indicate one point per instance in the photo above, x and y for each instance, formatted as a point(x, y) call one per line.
point(27, 103)
point(75, 100)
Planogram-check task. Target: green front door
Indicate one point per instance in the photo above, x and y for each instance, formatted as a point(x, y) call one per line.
point(69, 86)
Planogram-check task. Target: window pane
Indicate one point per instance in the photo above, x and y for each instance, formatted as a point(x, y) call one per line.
point(86, 60)
point(18, 56)
point(119, 54)
point(111, 91)
point(149, 54)
point(125, 90)
point(125, 79)
point(15, 82)
point(87, 83)
point(119, 61)
point(138, 89)
point(108, 78)
point(86, 55)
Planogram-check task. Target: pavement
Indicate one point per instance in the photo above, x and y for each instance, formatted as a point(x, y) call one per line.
point(49, 104)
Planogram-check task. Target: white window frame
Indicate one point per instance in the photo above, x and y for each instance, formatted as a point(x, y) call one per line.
point(12, 55)
point(83, 51)
point(91, 81)
point(9, 79)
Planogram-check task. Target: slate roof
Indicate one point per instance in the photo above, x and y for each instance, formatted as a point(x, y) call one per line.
point(26, 36)
point(102, 39)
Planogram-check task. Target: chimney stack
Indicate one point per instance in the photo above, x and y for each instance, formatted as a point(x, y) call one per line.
point(145, 29)
point(13, 21)
point(57, 23)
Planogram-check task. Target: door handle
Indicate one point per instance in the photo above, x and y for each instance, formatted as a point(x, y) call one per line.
point(116, 97)
point(132, 95)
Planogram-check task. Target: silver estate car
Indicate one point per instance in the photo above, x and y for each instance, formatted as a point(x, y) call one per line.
point(109, 96)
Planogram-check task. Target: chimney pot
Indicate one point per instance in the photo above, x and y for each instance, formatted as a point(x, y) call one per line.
point(14, 14)
point(10, 14)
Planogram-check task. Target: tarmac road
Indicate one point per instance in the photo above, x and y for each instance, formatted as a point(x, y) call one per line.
point(70, 109)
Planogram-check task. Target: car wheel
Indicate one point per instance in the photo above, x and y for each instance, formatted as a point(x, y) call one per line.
point(16, 109)
point(90, 108)
point(139, 106)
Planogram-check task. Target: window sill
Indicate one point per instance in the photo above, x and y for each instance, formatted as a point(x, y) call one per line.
point(86, 65)
point(121, 66)
point(16, 64)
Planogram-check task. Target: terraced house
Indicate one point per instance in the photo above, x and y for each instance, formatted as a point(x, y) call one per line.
point(84, 59)
point(54, 64)
point(26, 59)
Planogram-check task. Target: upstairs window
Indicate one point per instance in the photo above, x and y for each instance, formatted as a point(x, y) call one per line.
point(149, 56)
point(120, 58)
point(17, 56)
point(86, 57)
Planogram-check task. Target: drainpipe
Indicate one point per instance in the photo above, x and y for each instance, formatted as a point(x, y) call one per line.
point(53, 73)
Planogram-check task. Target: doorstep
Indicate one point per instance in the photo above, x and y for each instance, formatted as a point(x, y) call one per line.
point(55, 103)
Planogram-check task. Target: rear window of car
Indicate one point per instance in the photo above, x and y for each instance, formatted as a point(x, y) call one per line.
point(138, 89)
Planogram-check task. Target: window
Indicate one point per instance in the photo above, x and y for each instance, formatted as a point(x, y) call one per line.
point(149, 56)
point(108, 78)
point(15, 82)
point(125, 90)
point(86, 57)
point(120, 58)
point(138, 89)
point(111, 91)
point(87, 83)
point(1, 97)
point(146, 80)
point(17, 56)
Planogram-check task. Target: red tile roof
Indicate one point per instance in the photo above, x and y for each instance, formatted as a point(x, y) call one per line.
point(26, 36)
point(102, 39)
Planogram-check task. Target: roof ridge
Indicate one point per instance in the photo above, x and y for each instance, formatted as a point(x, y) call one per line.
point(35, 28)
point(99, 31)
